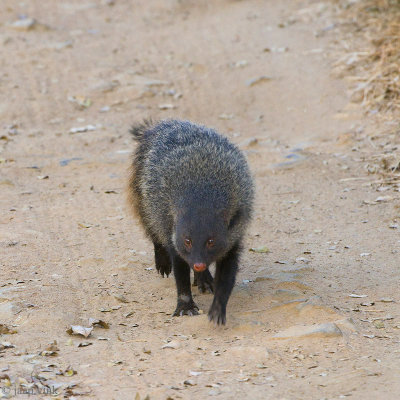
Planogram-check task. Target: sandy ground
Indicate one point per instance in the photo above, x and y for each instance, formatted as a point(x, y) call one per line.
point(259, 71)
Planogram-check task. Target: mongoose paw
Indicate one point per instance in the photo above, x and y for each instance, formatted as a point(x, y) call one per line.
point(163, 269)
point(204, 281)
point(186, 308)
point(217, 313)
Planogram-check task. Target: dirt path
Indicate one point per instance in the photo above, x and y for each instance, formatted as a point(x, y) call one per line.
point(70, 250)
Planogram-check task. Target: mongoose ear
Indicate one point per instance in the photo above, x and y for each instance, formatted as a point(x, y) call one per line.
point(235, 219)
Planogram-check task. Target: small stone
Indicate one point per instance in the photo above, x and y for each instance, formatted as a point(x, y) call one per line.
point(303, 260)
point(255, 81)
point(6, 345)
point(171, 345)
point(225, 116)
point(25, 24)
point(250, 142)
point(378, 324)
point(357, 296)
point(386, 300)
point(383, 199)
point(106, 87)
point(241, 63)
point(167, 106)
point(82, 129)
point(121, 298)
point(63, 45)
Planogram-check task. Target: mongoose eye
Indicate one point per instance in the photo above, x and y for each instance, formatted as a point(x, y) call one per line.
point(188, 243)
point(210, 243)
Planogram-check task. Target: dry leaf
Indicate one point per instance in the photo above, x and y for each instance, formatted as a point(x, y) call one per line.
point(261, 249)
point(5, 330)
point(98, 322)
point(379, 324)
point(171, 345)
point(83, 225)
point(166, 106)
point(6, 345)
point(121, 298)
point(81, 102)
point(69, 371)
point(79, 330)
point(386, 300)
point(85, 344)
point(82, 129)
point(255, 81)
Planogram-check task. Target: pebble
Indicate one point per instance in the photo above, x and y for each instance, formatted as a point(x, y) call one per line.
point(171, 345)
point(83, 129)
point(303, 259)
point(293, 160)
point(255, 81)
point(62, 45)
point(25, 24)
point(250, 142)
point(166, 106)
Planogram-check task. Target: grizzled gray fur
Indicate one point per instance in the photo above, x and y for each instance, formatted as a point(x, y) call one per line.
point(193, 193)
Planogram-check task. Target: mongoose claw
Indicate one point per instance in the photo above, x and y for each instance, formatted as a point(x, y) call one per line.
point(217, 313)
point(163, 269)
point(184, 308)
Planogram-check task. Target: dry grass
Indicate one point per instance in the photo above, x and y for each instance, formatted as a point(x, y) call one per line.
point(371, 62)
point(377, 69)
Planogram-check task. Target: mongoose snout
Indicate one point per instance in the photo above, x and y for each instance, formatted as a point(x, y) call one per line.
point(199, 267)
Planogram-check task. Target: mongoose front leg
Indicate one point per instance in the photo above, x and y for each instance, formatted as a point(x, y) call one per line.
point(162, 259)
point(186, 305)
point(204, 281)
point(224, 280)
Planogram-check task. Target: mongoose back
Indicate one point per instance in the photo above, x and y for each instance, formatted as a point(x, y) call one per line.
point(193, 193)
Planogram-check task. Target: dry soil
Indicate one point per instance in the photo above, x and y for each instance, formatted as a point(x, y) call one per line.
point(72, 81)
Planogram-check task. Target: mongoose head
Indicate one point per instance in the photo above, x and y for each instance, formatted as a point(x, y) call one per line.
point(200, 237)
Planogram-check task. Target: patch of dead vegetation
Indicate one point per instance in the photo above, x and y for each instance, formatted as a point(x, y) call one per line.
point(370, 61)
point(375, 70)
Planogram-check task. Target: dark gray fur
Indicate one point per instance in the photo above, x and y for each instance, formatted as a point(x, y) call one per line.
point(187, 179)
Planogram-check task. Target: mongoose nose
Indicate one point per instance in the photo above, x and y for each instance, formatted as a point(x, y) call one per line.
point(200, 267)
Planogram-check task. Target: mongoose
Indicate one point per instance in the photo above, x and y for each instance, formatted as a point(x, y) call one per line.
point(193, 193)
